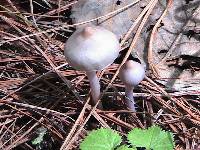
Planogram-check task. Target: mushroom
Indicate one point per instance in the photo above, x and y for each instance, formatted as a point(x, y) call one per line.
point(90, 49)
point(131, 74)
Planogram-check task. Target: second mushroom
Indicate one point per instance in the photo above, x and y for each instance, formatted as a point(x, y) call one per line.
point(131, 74)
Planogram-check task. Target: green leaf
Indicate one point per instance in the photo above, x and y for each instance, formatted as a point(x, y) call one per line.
point(101, 139)
point(41, 133)
point(125, 147)
point(151, 138)
point(163, 2)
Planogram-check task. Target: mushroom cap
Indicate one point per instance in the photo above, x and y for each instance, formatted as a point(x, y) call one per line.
point(131, 73)
point(91, 48)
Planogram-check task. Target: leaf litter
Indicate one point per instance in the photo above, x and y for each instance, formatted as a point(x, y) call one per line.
point(38, 88)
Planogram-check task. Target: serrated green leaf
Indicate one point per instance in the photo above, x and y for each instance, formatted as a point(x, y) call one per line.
point(151, 138)
point(125, 147)
point(101, 139)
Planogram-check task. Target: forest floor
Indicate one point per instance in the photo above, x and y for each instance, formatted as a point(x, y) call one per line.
point(45, 99)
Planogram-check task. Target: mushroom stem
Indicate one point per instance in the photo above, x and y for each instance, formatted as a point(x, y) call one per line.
point(95, 87)
point(130, 102)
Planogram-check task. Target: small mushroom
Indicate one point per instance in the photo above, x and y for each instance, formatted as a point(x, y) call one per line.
point(90, 49)
point(131, 74)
